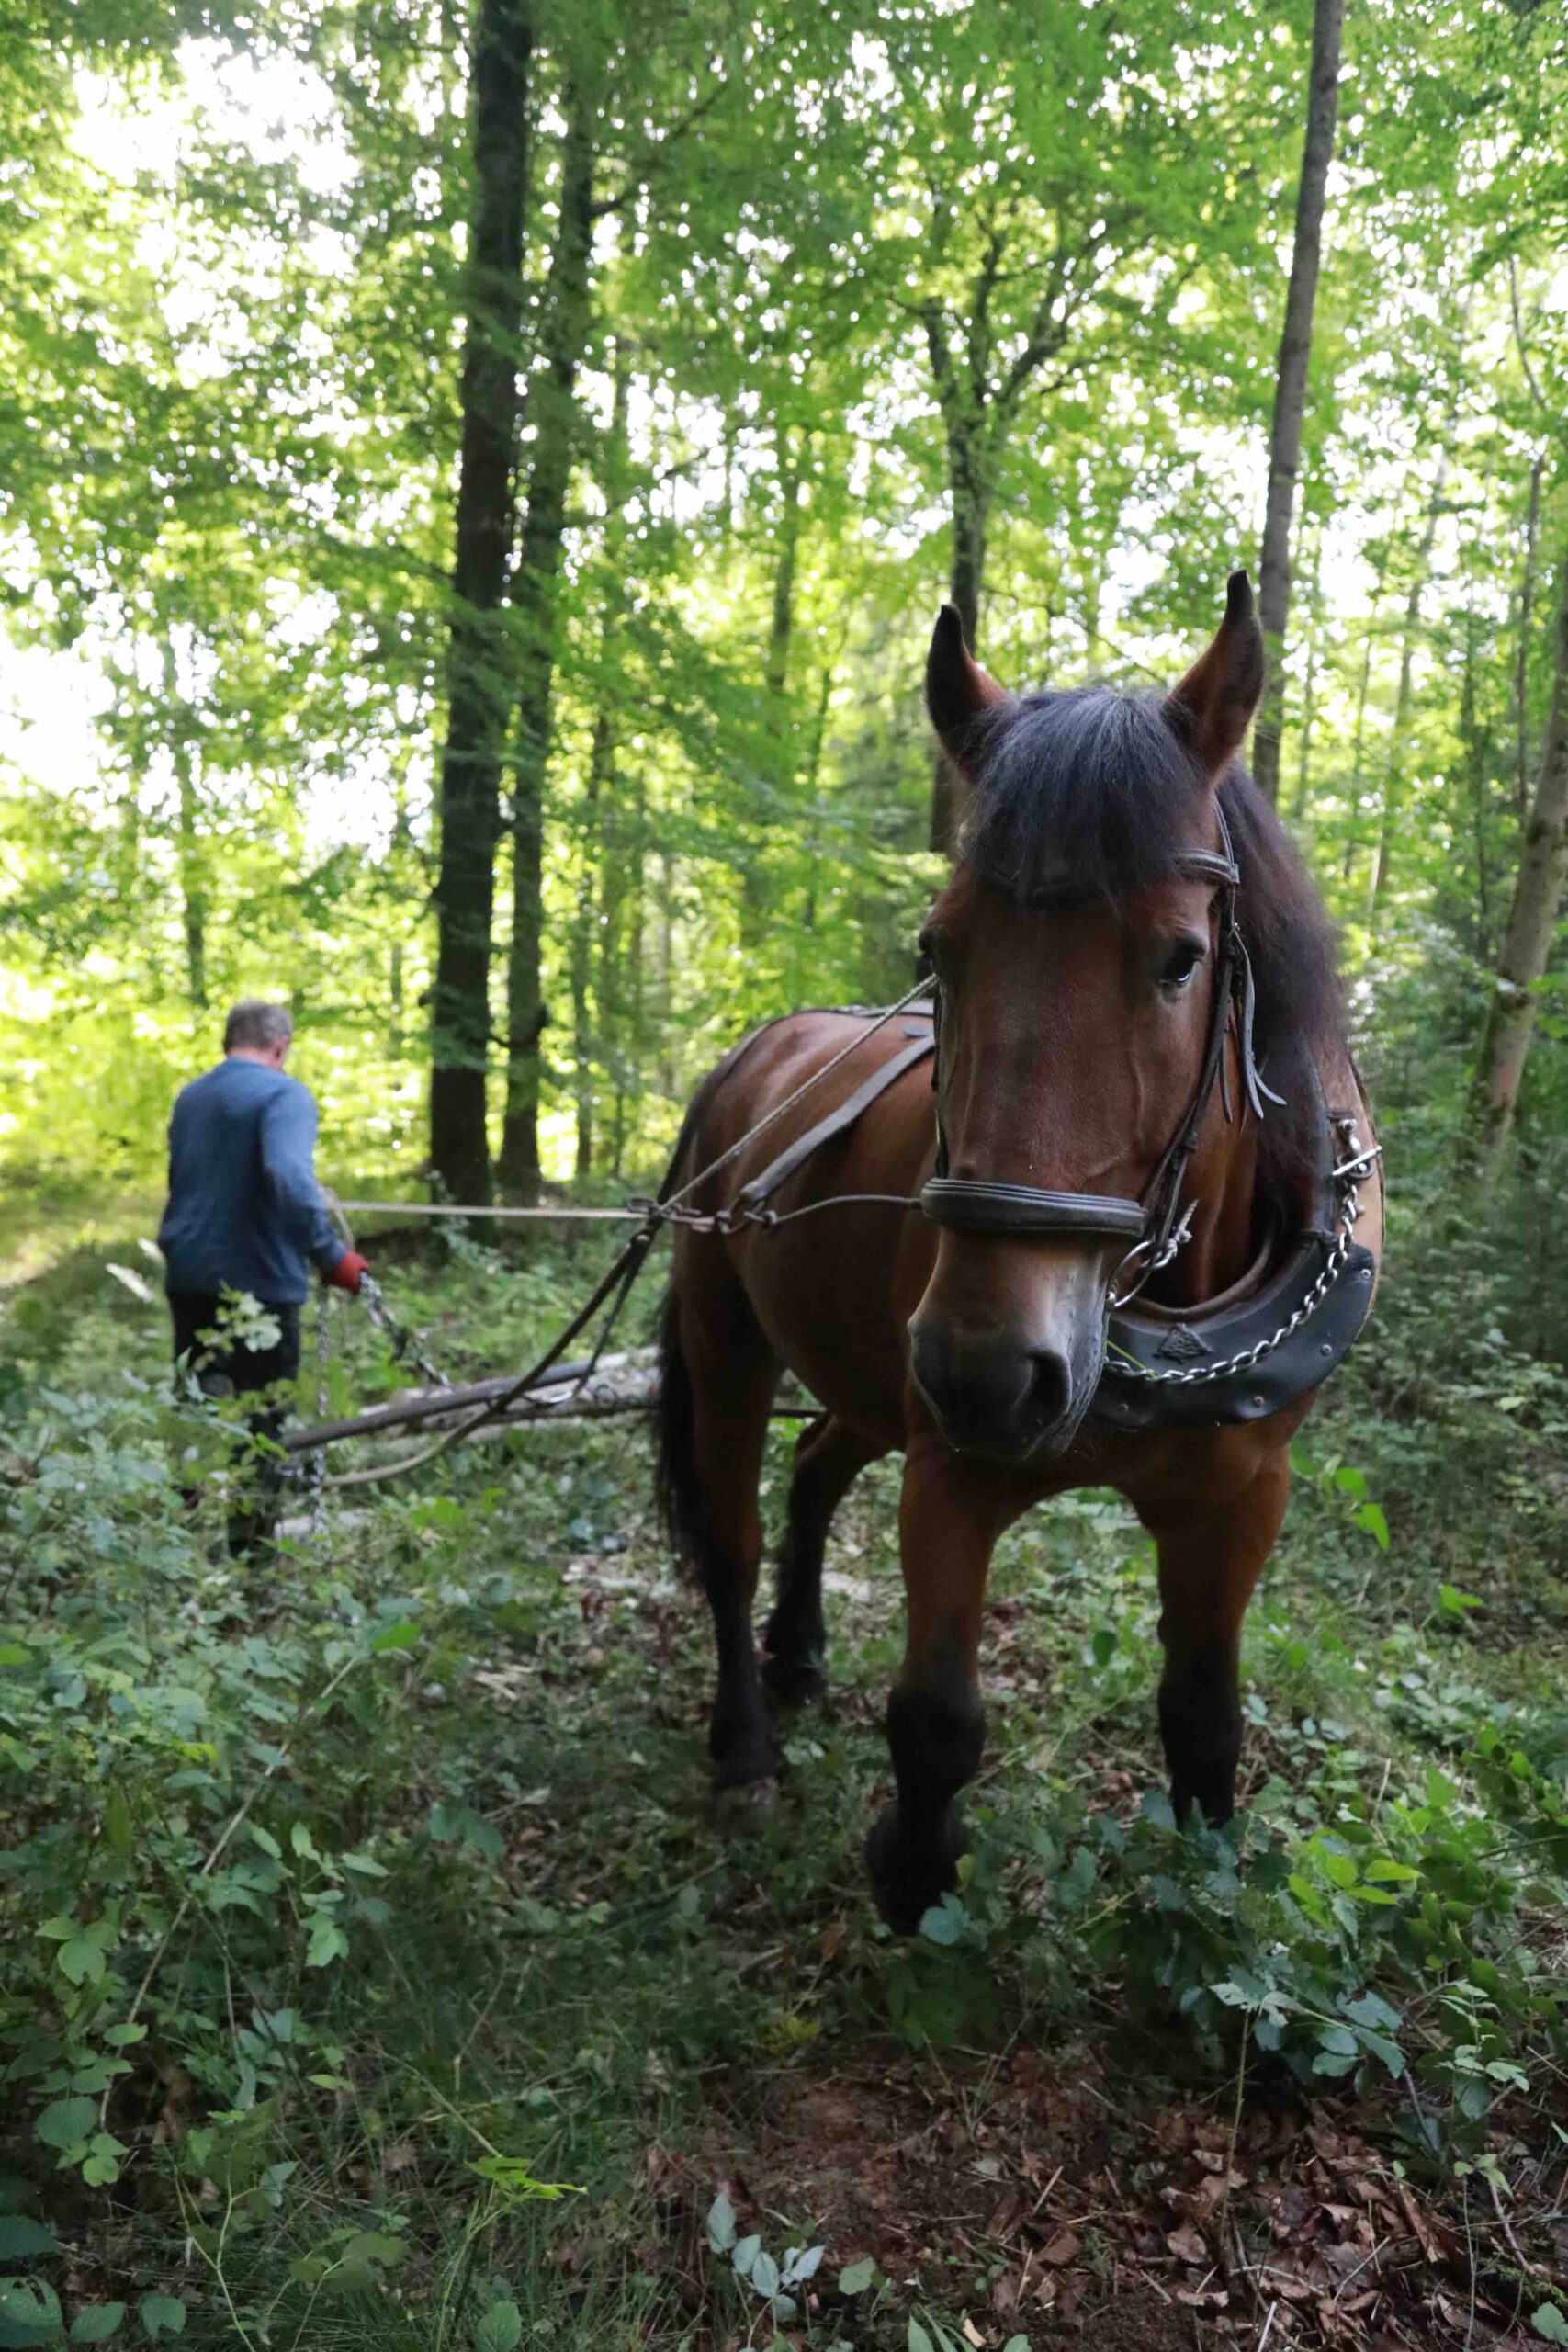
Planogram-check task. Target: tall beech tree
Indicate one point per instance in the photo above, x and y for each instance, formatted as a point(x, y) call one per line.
point(1042, 225)
point(1514, 1003)
point(554, 425)
point(480, 671)
point(1290, 382)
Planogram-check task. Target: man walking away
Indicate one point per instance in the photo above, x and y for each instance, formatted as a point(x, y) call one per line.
point(245, 1215)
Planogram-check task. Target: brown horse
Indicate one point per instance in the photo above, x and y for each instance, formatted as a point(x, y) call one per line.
point(1138, 1260)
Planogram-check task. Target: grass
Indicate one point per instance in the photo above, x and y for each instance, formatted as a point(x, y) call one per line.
point(464, 2002)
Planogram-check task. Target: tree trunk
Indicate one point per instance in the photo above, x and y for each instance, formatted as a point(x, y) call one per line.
point(1393, 774)
point(553, 413)
point(1300, 798)
point(1527, 942)
point(1358, 733)
point(191, 890)
point(1476, 740)
point(1291, 383)
point(1521, 646)
point(969, 480)
point(759, 829)
point(477, 681)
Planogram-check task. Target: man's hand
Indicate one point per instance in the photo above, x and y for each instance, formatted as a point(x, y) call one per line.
point(349, 1271)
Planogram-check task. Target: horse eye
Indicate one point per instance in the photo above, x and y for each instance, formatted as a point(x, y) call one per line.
point(1180, 964)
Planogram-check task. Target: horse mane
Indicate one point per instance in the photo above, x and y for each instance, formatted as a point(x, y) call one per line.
point(1095, 784)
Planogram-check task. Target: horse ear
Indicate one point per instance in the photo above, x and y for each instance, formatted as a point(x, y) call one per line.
point(958, 692)
point(1211, 708)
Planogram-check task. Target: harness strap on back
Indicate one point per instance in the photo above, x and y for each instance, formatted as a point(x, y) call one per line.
point(752, 1195)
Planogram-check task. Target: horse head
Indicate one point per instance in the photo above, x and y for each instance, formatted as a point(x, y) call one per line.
point(1084, 956)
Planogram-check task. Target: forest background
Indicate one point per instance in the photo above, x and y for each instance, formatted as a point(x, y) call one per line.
point(721, 345)
point(476, 481)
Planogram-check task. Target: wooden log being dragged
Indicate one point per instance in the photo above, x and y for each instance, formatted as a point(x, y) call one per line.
point(433, 1404)
point(621, 1385)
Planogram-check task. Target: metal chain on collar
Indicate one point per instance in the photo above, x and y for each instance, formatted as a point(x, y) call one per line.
point(1350, 1175)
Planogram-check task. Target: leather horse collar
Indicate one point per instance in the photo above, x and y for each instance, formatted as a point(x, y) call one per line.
point(1152, 1227)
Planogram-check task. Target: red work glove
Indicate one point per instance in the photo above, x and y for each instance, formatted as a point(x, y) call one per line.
point(349, 1271)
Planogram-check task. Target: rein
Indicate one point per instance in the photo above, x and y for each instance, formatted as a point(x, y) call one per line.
point(1154, 1226)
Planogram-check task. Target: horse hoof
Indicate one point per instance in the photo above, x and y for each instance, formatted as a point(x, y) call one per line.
point(907, 1879)
point(739, 1802)
point(795, 1682)
point(744, 1764)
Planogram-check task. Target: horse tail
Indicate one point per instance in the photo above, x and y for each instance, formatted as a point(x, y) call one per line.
point(677, 1488)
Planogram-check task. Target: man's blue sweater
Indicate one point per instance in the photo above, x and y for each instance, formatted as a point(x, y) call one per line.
point(244, 1211)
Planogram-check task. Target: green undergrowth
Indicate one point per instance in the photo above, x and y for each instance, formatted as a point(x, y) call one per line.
point(373, 1958)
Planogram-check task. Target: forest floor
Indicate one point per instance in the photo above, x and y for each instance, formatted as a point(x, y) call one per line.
point(377, 1968)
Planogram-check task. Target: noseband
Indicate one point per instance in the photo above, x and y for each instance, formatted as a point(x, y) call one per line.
point(1151, 1227)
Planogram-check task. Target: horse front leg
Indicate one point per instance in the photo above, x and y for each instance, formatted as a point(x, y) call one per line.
point(1211, 1555)
point(950, 1517)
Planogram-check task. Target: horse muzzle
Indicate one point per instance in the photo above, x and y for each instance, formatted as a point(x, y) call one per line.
point(991, 1395)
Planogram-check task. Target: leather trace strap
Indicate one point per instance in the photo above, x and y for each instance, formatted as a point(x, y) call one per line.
point(1155, 1226)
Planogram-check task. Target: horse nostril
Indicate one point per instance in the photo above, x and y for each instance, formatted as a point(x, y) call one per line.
point(1050, 1387)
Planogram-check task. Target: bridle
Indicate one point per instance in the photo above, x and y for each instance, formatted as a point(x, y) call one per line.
point(1155, 1226)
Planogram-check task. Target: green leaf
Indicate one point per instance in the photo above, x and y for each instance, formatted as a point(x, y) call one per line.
point(1549, 2325)
point(117, 1823)
point(21, 2237)
point(745, 2255)
point(856, 2277)
point(766, 2276)
point(29, 2314)
point(721, 2224)
point(161, 2315)
point(1370, 1517)
point(918, 2340)
point(265, 1840)
point(80, 1962)
point(66, 2121)
point(945, 1922)
point(327, 1943)
point(95, 2323)
point(395, 1637)
point(499, 2329)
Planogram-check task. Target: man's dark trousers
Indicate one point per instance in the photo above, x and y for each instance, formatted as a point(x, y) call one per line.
point(225, 1367)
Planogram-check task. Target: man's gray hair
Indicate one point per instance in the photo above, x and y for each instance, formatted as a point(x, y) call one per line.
point(258, 1024)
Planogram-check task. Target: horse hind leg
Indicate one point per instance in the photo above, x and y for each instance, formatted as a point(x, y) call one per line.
point(828, 1457)
point(718, 1379)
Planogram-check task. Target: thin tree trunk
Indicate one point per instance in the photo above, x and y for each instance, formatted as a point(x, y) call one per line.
point(553, 413)
point(478, 685)
point(1527, 942)
point(625, 930)
point(1290, 384)
point(1522, 644)
point(191, 890)
point(1309, 693)
point(1358, 732)
point(792, 470)
point(1393, 774)
point(1476, 740)
point(396, 989)
point(181, 739)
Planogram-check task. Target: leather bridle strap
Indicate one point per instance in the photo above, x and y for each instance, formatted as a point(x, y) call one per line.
point(972, 1204)
point(972, 1207)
